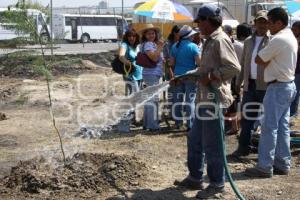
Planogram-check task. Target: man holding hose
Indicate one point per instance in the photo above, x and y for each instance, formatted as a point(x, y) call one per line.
point(219, 64)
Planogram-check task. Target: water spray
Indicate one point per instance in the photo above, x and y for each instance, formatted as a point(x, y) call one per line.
point(139, 98)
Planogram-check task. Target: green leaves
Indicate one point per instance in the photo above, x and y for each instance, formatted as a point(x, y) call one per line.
point(18, 21)
point(40, 68)
point(21, 20)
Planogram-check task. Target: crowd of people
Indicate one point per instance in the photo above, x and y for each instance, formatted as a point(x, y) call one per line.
point(260, 67)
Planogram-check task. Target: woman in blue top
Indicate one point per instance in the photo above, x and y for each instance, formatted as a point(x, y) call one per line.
point(153, 47)
point(185, 56)
point(127, 54)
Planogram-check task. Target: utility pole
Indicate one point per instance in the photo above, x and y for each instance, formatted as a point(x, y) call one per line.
point(51, 27)
point(122, 17)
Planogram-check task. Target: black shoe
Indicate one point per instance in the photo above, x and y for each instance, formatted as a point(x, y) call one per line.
point(211, 193)
point(240, 152)
point(257, 173)
point(189, 184)
point(133, 126)
point(232, 132)
point(137, 123)
point(278, 171)
point(253, 149)
point(294, 133)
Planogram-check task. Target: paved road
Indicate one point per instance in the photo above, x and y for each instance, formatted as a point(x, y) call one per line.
point(62, 49)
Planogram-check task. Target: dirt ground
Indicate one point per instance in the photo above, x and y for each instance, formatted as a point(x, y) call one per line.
point(139, 165)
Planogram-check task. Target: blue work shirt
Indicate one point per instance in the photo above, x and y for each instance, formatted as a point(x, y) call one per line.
point(131, 54)
point(184, 56)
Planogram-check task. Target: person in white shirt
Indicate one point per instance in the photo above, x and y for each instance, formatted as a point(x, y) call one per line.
point(279, 59)
point(252, 75)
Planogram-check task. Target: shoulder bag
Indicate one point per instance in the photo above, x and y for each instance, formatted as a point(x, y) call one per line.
point(143, 60)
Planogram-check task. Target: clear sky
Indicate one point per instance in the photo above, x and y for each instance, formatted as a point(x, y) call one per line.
point(75, 3)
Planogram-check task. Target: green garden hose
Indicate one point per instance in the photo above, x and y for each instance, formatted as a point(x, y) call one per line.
point(221, 137)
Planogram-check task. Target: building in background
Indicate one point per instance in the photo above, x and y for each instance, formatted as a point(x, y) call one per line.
point(103, 4)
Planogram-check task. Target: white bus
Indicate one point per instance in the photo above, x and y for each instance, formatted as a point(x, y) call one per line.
point(85, 28)
point(40, 25)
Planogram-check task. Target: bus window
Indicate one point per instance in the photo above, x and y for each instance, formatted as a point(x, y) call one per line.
point(107, 21)
point(253, 10)
point(95, 21)
point(119, 22)
point(86, 21)
point(68, 21)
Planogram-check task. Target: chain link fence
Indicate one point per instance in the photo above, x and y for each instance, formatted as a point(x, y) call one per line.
point(94, 10)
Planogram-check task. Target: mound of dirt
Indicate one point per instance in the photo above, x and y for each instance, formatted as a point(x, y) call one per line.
point(104, 59)
point(28, 66)
point(84, 172)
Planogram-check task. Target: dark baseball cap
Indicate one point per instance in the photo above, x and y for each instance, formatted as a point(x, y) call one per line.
point(208, 10)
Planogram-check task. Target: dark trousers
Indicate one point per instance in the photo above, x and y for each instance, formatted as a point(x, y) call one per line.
point(251, 110)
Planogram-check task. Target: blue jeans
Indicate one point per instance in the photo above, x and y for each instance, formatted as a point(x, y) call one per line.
point(184, 96)
point(274, 142)
point(295, 103)
point(151, 119)
point(204, 141)
point(251, 100)
point(131, 86)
